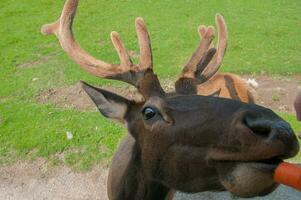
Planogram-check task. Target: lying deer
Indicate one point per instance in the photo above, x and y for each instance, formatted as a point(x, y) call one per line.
point(297, 105)
point(180, 140)
point(225, 85)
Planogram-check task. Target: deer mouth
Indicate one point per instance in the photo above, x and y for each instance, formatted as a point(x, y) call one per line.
point(248, 178)
point(268, 164)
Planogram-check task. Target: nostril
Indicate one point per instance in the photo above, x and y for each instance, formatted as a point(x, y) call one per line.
point(258, 127)
point(275, 132)
point(260, 130)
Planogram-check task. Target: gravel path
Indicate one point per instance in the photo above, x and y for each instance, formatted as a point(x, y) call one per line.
point(36, 181)
point(282, 193)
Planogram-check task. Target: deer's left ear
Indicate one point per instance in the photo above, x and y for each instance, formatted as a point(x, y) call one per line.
point(109, 104)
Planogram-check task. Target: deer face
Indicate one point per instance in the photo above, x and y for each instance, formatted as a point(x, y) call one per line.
point(194, 143)
point(186, 142)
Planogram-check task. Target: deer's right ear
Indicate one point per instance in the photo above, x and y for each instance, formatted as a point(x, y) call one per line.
point(109, 104)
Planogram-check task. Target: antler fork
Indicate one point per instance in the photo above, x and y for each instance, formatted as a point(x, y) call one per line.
point(141, 75)
point(206, 60)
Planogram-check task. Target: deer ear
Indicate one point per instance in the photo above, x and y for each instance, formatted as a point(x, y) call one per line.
point(109, 104)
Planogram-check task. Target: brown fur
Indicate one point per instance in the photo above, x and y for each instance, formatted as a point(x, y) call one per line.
point(219, 82)
point(297, 105)
point(179, 159)
point(198, 75)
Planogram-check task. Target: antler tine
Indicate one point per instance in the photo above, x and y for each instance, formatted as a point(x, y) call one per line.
point(146, 59)
point(190, 68)
point(203, 63)
point(138, 75)
point(206, 60)
point(62, 28)
point(121, 50)
point(202, 32)
point(216, 61)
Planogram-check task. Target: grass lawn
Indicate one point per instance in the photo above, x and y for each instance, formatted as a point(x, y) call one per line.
point(264, 37)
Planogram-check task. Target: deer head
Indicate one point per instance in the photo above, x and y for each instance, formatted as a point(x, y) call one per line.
point(181, 141)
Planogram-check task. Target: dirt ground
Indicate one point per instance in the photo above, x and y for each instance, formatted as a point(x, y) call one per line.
point(29, 181)
point(277, 93)
point(35, 181)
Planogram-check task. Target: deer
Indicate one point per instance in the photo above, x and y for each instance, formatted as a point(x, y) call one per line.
point(225, 85)
point(297, 106)
point(179, 141)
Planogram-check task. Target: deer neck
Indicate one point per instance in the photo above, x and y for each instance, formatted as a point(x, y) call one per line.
point(131, 183)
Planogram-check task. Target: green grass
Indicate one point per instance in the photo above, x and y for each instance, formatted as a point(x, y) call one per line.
point(264, 37)
point(40, 131)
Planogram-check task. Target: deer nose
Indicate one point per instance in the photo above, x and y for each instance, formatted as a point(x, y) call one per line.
point(274, 131)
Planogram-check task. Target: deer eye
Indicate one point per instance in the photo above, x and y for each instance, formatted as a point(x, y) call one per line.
point(149, 113)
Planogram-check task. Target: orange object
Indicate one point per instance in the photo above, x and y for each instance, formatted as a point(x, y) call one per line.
point(288, 174)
